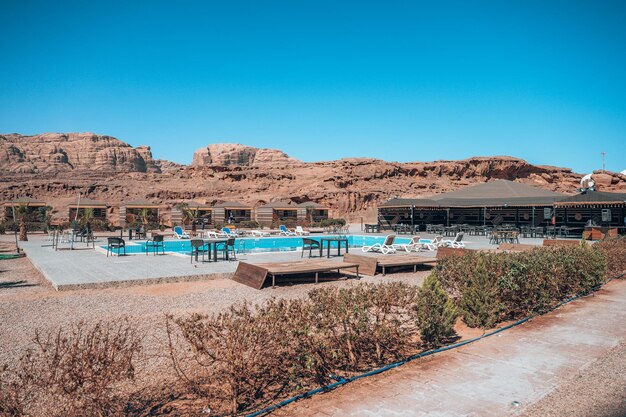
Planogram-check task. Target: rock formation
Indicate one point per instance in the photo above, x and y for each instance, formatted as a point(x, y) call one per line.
point(62, 152)
point(45, 167)
point(234, 154)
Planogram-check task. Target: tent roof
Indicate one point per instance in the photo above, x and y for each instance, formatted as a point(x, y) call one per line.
point(590, 197)
point(493, 193)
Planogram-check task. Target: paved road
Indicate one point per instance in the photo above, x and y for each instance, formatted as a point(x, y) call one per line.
point(497, 376)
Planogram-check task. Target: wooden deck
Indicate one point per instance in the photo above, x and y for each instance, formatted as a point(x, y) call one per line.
point(254, 275)
point(369, 264)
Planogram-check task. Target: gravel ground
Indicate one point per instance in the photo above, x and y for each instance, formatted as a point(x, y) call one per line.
point(33, 305)
point(596, 391)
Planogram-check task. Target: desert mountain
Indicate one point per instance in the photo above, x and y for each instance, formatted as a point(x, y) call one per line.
point(57, 167)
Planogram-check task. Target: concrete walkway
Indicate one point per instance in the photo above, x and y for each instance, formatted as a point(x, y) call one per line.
point(497, 376)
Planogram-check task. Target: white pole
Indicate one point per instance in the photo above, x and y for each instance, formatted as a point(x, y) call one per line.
point(75, 222)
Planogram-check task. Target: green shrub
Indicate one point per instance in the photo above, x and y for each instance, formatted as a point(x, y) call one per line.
point(492, 287)
point(332, 222)
point(479, 303)
point(435, 313)
point(249, 224)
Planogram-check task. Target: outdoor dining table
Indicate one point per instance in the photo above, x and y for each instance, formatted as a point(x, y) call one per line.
point(212, 243)
point(329, 240)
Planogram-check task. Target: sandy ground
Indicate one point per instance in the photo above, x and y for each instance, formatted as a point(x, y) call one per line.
point(597, 391)
point(27, 303)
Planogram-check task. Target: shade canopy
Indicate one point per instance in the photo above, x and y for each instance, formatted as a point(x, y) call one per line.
point(489, 194)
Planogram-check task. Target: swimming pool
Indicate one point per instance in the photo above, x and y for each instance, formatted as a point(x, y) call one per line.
point(262, 244)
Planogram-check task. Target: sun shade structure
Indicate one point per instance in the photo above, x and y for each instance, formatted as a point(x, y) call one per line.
point(98, 209)
point(592, 208)
point(232, 212)
point(490, 203)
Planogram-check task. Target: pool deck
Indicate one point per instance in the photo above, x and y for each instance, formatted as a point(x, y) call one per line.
point(88, 268)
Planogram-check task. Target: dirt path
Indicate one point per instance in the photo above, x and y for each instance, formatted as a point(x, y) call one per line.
point(566, 363)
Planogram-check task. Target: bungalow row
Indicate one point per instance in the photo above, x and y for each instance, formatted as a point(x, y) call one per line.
point(143, 211)
point(506, 202)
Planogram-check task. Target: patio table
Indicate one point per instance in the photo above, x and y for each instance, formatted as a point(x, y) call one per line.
point(328, 241)
point(212, 243)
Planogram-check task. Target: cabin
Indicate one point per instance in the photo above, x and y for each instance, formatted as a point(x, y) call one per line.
point(37, 211)
point(203, 213)
point(131, 214)
point(231, 212)
point(311, 213)
point(77, 210)
point(277, 213)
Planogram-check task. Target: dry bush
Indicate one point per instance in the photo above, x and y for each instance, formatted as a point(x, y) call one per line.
point(247, 356)
point(491, 287)
point(615, 252)
point(236, 358)
point(72, 372)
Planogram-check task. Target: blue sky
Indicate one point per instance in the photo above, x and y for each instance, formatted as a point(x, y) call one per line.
point(400, 81)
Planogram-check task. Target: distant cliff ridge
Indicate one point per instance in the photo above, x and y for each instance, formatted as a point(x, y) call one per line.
point(46, 166)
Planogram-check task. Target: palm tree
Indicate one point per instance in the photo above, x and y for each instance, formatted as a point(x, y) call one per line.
point(189, 215)
point(144, 214)
point(21, 213)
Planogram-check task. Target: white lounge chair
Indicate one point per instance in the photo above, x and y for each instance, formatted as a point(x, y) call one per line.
point(413, 246)
point(301, 232)
point(259, 233)
point(385, 247)
point(457, 242)
point(285, 232)
point(179, 233)
point(432, 245)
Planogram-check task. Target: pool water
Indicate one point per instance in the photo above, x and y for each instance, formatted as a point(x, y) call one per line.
point(262, 244)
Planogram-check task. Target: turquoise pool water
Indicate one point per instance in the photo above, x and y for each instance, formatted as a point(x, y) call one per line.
point(262, 244)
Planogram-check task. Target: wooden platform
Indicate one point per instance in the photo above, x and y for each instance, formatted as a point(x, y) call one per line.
point(561, 242)
point(254, 275)
point(369, 264)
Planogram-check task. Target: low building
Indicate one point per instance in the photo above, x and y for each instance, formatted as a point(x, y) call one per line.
point(76, 211)
point(231, 212)
point(491, 203)
point(312, 213)
point(276, 213)
point(133, 213)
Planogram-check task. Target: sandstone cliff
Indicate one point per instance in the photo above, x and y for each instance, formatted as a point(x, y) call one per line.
point(350, 187)
point(233, 154)
point(61, 152)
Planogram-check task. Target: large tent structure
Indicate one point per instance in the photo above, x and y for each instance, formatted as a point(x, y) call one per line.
point(489, 203)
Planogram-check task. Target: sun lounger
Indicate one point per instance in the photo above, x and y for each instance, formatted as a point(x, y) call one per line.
point(385, 247)
point(285, 232)
point(179, 233)
point(457, 242)
point(229, 233)
point(301, 232)
point(259, 233)
point(415, 245)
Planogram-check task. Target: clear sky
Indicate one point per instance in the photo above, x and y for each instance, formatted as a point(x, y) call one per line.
point(400, 81)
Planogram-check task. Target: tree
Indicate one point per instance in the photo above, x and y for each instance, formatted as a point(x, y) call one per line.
point(435, 313)
point(21, 215)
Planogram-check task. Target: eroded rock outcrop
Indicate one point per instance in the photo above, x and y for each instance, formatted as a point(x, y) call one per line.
point(62, 152)
point(234, 154)
point(46, 168)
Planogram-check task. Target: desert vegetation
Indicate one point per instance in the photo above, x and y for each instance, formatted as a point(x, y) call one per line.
point(250, 356)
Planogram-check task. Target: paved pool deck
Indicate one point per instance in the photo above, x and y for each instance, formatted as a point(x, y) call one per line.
point(85, 267)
